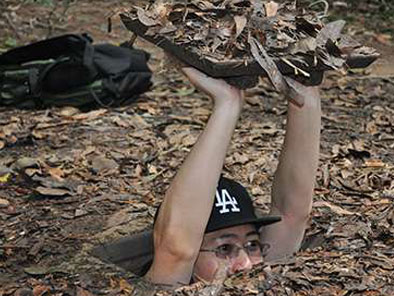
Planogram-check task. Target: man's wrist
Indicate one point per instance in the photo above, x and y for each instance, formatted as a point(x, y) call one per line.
point(229, 106)
point(310, 104)
point(310, 97)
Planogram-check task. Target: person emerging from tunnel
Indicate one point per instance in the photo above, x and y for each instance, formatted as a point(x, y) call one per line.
point(207, 221)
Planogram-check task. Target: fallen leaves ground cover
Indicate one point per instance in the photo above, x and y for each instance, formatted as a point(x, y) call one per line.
point(70, 181)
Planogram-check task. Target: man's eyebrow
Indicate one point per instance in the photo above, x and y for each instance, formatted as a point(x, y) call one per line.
point(227, 235)
point(252, 233)
point(232, 235)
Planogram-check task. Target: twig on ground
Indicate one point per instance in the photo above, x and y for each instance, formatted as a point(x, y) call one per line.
point(11, 23)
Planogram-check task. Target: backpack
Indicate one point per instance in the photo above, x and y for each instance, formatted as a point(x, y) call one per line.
point(70, 71)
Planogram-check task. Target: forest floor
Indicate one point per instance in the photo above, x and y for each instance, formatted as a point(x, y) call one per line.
point(115, 164)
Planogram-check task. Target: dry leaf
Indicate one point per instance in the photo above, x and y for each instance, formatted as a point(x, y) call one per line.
point(41, 290)
point(383, 38)
point(271, 8)
point(37, 270)
point(240, 23)
point(120, 122)
point(146, 18)
point(4, 177)
point(189, 140)
point(266, 62)
point(331, 31)
point(125, 286)
point(336, 209)
point(23, 292)
point(52, 191)
point(83, 292)
point(12, 139)
point(80, 213)
point(119, 218)
point(346, 173)
point(26, 162)
point(269, 128)
point(68, 111)
point(9, 129)
point(90, 115)
point(37, 134)
point(374, 163)
point(304, 45)
point(101, 163)
point(56, 173)
point(88, 150)
point(253, 100)
point(4, 203)
point(32, 172)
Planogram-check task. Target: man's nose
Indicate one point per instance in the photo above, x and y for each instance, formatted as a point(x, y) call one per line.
point(242, 262)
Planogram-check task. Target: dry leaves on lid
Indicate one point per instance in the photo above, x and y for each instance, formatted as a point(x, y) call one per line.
point(237, 34)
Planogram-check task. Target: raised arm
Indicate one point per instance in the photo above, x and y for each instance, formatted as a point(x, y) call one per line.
point(184, 213)
point(295, 176)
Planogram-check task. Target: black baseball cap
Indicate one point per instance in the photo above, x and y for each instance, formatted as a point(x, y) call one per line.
point(232, 206)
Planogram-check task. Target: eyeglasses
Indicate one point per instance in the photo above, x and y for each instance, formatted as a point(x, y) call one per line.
point(254, 249)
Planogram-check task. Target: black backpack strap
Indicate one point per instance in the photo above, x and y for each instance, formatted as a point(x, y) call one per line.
point(34, 78)
point(88, 57)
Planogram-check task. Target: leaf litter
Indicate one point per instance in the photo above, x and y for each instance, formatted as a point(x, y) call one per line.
point(350, 236)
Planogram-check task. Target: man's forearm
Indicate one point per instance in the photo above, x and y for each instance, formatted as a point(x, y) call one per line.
point(295, 175)
point(294, 179)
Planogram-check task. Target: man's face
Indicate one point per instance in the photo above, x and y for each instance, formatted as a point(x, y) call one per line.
point(226, 248)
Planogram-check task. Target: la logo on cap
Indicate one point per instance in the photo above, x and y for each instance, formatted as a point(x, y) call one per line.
point(226, 202)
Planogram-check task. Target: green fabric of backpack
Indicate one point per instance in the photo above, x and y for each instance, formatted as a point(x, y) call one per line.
point(70, 71)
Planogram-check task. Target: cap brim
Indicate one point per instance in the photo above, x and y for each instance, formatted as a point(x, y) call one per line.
point(258, 222)
point(133, 253)
point(266, 220)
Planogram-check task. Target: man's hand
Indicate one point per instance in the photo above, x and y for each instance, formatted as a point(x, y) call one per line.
point(219, 90)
